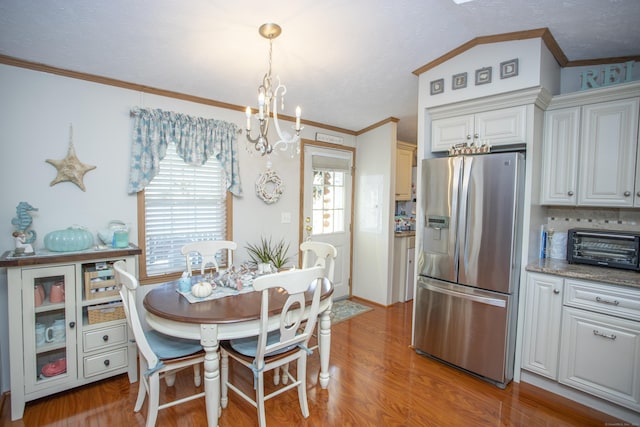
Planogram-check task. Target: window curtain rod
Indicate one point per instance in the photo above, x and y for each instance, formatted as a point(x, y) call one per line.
point(197, 140)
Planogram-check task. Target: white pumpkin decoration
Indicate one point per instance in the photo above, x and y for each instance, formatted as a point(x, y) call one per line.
point(201, 289)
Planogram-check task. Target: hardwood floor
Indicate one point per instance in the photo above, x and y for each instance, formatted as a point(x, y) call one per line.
point(376, 380)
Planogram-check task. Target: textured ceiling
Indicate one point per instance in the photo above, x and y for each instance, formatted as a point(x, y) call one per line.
point(347, 63)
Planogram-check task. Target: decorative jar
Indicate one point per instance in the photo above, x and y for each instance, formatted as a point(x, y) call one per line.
point(72, 239)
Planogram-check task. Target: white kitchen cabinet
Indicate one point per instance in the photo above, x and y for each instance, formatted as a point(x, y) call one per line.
point(505, 126)
point(608, 155)
point(636, 202)
point(405, 154)
point(560, 157)
point(601, 355)
point(543, 310)
point(410, 285)
point(70, 336)
point(585, 335)
point(590, 150)
point(402, 267)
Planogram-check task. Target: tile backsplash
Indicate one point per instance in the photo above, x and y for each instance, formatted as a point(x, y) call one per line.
point(562, 219)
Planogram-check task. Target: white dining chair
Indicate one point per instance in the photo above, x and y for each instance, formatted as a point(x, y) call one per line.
point(287, 343)
point(314, 254)
point(207, 250)
point(319, 254)
point(160, 356)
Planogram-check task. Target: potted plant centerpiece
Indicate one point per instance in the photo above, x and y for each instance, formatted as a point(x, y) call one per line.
point(267, 253)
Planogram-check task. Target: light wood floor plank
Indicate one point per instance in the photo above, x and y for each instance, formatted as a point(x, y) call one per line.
point(376, 380)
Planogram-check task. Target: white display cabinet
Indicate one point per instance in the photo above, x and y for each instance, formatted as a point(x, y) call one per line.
point(66, 323)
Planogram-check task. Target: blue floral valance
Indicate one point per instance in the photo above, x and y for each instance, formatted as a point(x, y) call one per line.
point(197, 140)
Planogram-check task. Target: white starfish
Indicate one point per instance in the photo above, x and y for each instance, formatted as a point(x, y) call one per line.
point(70, 169)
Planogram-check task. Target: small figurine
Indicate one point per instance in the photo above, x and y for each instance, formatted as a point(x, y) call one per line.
point(21, 245)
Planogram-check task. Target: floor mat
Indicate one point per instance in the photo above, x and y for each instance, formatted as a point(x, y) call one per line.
point(346, 309)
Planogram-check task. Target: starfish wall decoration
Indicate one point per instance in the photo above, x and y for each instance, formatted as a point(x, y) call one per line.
point(70, 168)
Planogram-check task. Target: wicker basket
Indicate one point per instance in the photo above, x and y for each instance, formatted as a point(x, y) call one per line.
point(99, 283)
point(105, 312)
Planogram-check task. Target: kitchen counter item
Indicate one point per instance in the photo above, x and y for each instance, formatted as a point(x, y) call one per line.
point(587, 272)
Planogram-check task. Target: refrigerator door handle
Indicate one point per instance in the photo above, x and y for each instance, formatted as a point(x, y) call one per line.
point(456, 210)
point(475, 298)
point(463, 221)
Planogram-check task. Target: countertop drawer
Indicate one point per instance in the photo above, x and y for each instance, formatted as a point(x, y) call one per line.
point(100, 338)
point(617, 301)
point(105, 362)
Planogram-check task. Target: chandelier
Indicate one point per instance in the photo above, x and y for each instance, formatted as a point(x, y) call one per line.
point(268, 100)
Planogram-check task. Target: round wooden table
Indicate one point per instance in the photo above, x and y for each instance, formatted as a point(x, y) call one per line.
point(226, 318)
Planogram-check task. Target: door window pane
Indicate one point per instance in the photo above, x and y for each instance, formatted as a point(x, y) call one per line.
point(328, 201)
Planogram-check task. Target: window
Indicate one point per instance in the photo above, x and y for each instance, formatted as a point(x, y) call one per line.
point(329, 197)
point(183, 203)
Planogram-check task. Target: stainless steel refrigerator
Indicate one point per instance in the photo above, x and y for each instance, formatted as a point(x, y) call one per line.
point(469, 264)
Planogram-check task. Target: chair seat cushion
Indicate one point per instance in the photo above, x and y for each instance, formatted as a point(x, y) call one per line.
point(166, 347)
point(248, 346)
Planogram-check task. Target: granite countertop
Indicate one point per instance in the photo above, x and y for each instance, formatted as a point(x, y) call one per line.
point(408, 233)
point(587, 272)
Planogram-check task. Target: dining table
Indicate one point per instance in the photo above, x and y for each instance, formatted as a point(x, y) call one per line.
point(234, 316)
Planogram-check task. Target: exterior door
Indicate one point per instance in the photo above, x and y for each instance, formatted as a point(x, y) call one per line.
point(327, 200)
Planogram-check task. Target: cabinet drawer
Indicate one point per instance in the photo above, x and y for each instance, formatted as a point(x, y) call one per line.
point(105, 362)
point(99, 338)
point(608, 299)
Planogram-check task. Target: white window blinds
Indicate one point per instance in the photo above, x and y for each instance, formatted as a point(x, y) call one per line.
point(183, 203)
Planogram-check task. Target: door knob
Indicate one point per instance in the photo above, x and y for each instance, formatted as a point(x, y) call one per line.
point(570, 193)
point(308, 227)
point(627, 193)
point(556, 291)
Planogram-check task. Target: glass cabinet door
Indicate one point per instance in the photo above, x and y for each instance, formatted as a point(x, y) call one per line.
point(48, 298)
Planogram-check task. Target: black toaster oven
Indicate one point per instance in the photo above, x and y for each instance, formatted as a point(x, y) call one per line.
point(608, 248)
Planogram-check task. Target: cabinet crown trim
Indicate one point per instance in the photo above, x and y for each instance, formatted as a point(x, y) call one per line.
point(537, 95)
point(591, 96)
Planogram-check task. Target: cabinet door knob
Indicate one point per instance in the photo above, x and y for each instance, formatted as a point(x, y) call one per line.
point(570, 193)
point(468, 136)
point(627, 193)
point(556, 291)
point(638, 194)
point(105, 338)
point(476, 136)
point(107, 363)
point(72, 325)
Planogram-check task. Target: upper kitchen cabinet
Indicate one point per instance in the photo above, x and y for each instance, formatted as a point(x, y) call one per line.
point(608, 156)
point(505, 126)
point(560, 164)
point(591, 150)
point(405, 159)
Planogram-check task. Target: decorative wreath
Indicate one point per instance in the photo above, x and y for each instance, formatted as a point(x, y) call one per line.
point(269, 186)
